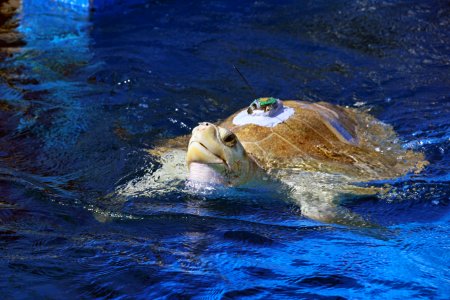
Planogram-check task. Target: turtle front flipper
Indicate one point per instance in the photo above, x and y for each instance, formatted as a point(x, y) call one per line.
point(333, 213)
point(164, 146)
point(324, 206)
point(320, 196)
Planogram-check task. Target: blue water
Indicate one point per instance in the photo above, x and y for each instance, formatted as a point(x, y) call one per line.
point(84, 93)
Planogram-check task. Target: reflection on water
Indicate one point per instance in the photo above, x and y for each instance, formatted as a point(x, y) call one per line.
point(84, 95)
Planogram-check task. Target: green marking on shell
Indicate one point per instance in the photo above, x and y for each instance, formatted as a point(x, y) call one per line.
point(269, 101)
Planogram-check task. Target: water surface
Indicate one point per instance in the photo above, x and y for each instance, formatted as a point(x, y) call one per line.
point(83, 95)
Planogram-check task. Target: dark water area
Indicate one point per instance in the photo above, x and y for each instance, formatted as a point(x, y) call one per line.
point(84, 94)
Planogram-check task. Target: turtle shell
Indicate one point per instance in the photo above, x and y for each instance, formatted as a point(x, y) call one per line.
point(329, 138)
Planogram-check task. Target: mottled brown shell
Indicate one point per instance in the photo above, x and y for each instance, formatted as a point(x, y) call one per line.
point(330, 138)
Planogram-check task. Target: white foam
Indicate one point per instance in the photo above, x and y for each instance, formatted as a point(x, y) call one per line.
point(261, 118)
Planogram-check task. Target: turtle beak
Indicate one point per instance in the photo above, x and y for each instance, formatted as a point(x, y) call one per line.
point(204, 147)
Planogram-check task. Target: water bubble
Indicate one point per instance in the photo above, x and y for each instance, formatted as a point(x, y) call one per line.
point(183, 125)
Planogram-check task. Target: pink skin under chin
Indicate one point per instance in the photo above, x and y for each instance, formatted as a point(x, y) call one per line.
point(205, 173)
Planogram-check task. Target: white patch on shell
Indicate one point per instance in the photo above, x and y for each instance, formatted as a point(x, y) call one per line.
point(262, 118)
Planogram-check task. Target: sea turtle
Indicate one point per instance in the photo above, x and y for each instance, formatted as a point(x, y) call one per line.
point(319, 151)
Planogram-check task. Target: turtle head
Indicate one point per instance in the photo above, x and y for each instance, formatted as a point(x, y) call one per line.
point(215, 155)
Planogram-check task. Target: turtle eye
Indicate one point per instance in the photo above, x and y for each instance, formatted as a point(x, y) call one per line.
point(229, 139)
